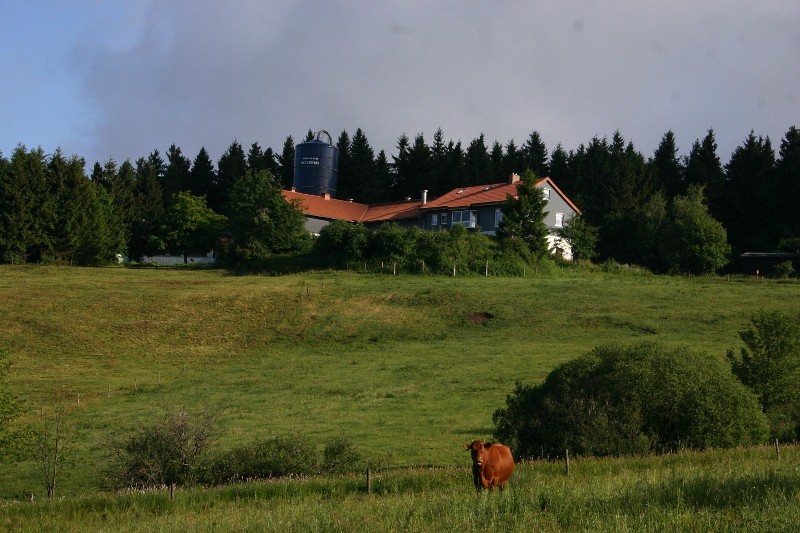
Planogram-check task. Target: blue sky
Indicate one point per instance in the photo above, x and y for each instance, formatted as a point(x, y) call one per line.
point(117, 79)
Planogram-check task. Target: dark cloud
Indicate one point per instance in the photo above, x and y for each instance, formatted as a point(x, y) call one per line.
point(200, 73)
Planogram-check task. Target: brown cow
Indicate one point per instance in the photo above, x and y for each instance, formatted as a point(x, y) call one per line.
point(492, 464)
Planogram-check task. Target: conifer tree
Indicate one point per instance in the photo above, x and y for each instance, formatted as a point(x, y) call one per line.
point(477, 162)
point(666, 167)
point(559, 170)
point(523, 217)
point(345, 188)
point(749, 184)
point(230, 168)
point(513, 161)
point(400, 166)
point(535, 154)
point(176, 175)
point(787, 191)
point(703, 167)
point(383, 178)
point(363, 179)
point(202, 176)
point(286, 163)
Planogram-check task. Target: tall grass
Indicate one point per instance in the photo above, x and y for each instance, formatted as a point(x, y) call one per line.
point(746, 489)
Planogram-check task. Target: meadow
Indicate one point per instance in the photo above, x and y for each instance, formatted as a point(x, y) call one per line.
point(408, 367)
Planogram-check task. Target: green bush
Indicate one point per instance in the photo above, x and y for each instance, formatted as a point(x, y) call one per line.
point(340, 456)
point(172, 450)
point(631, 400)
point(273, 457)
point(783, 270)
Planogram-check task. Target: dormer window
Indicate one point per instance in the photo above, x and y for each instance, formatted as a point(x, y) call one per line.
point(546, 194)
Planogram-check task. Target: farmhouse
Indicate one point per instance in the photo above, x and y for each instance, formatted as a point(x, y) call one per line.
point(476, 206)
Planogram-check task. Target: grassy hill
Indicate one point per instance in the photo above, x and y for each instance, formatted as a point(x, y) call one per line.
point(409, 368)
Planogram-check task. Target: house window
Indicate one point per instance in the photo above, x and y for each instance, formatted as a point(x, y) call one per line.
point(444, 219)
point(546, 194)
point(498, 217)
point(435, 219)
point(466, 218)
point(559, 220)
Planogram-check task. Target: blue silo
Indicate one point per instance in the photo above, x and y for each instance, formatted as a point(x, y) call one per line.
point(316, 166)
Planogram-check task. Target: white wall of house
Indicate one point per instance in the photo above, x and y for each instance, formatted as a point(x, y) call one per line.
point(167, 260)
point(556, 244)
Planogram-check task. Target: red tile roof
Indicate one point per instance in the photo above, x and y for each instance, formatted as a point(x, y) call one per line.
point(332, 209)
point(392, 211)
point(318, 206)
point(487, 194)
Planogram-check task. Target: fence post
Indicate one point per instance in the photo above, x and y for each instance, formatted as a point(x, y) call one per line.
point(394, 268)
point(454, 269)
point(777, 450)
point(566, 460)
point(369, 481)
point(486, 270)
point(172, 491)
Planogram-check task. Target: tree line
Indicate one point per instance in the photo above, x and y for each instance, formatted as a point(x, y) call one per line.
point(50, 210)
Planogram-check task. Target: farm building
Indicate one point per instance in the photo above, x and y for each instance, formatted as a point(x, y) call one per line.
point(477, 206)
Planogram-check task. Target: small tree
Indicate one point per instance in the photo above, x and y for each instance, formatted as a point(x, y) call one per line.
point(171, 450)
point(696, 241)
point(191, 225)
point(53, 443)
point(262, 222)
point(769, 364)
point(581, 237)
point(523, 216)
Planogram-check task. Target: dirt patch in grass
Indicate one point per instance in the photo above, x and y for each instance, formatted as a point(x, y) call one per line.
point(479, 319)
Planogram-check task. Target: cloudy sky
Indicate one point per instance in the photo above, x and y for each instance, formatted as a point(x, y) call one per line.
point(117, 79)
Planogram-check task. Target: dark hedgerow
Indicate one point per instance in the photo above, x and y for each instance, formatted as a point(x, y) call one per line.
point(274, 457)
point(618, 400)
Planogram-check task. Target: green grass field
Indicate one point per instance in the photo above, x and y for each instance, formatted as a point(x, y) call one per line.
point(722, 490)
point(408, 367)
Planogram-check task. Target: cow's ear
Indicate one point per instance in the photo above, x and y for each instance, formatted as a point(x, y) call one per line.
point(466, 446)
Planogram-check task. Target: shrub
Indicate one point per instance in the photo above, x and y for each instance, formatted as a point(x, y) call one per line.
point(783, 270)
point(339, 456)
point(631, 400)
point(273, 457)
point(172, 450)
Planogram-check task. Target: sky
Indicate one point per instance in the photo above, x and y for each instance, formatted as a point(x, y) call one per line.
point(107, 79)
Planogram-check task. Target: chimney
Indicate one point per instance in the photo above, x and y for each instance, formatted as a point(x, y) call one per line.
point(327, 196)
point(424, 199)
point(513, 178)
point(293, 189)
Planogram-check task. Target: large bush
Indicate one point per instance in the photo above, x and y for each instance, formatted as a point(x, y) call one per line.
point(289, 455)
point(631, 400)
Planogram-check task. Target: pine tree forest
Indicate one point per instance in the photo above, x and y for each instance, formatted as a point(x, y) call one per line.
point(53, 210)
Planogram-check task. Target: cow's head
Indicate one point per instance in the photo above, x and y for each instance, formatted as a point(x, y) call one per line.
point(478, 449)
